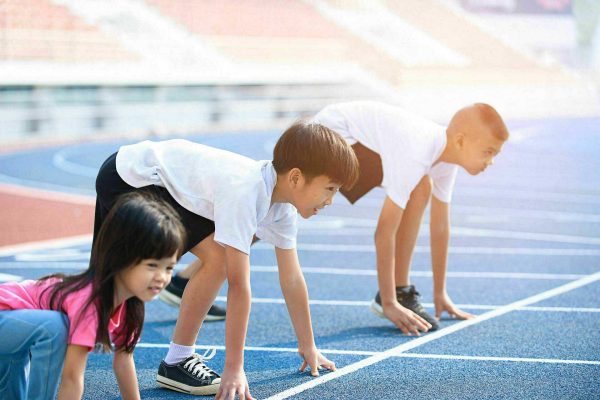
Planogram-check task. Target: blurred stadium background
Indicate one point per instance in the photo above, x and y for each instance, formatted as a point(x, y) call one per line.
point(88, 69)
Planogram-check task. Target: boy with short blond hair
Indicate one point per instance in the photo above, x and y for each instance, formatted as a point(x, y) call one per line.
point(415, 160)
point(224, 201)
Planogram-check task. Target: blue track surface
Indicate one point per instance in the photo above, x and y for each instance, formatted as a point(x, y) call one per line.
point(527, 226)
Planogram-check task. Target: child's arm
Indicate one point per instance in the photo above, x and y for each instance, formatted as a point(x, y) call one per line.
point(295, 293)
point(71, 384)
point(385, 244)
point(124, 368)
point(439, 227)
point(233, 380)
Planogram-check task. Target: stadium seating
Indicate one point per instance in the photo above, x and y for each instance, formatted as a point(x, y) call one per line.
point(41, 30)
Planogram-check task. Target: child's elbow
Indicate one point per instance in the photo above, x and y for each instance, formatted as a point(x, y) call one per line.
point(72, 383)
point(291, 282)
point(381, 235)
point(439, 230)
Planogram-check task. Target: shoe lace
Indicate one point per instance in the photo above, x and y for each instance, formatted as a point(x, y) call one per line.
point(196, 365)
point(411, 298)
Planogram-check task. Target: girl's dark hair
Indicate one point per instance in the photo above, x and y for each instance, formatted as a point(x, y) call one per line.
point(139, 226)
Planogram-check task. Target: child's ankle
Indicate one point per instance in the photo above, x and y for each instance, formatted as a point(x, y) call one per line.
point(177, 353)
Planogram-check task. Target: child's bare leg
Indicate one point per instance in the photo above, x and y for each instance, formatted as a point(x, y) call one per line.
point(201, 291)
point(181, 369)
point(191, 269)
point(406, 236)
point(195, 265)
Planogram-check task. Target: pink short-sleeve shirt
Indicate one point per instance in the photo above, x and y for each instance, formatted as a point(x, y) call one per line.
point(83, 322)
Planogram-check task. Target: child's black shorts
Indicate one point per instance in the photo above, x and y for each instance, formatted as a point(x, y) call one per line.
point(109, 186)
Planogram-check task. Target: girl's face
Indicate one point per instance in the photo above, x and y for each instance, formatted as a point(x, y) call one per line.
point(145, 280)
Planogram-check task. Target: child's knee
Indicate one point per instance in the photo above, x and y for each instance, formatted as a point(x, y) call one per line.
point(56, 328)
point(422, 191)
point(218, 265)
point(210, 252)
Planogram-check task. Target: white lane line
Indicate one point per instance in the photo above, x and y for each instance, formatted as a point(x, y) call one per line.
point(56, 255)
point(562, 309)
point(499, 214)
point(50, 187)
point(60, 161)
point(342, 271)
point(478, 214)
point(435, 335)
point(10, 278)
point(457, 231)
point(255, 348)
point(45, 264)
point(76, 261)
point(45, 244)
point(401, 355)
point(427, 274)
point(363, 248)
point(43, 194)
point(510, 359)
point(366, 303)
point(500, 193)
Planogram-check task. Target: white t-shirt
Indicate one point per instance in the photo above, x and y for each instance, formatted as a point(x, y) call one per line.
point(408, 145)
point(232, 190)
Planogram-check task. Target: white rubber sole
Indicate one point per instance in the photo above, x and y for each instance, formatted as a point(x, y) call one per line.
point(175, 301)
point(169, 298)
point(179, 387)
point(377, 309)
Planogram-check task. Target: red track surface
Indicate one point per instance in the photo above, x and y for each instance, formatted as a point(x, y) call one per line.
point(29, 215)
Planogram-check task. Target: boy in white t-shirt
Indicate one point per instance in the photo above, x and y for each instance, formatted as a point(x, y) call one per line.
point(225, 200)
point(413, 158)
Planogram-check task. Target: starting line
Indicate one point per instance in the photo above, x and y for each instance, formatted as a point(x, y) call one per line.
point(364, 303)
point(436, 335)
point(373, 353)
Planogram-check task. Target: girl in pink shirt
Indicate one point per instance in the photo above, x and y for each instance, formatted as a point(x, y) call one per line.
point(57, 320)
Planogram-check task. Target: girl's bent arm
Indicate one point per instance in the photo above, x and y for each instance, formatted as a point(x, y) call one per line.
point(71, 384)
point(124, 368)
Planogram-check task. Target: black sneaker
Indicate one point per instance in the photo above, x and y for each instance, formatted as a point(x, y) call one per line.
point(189, 376)
point(407, 296)
point(174, 291)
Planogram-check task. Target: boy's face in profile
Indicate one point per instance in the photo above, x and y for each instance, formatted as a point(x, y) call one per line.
point(311, 196)
point(477, 151)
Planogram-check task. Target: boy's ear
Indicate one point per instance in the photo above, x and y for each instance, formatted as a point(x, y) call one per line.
point(295, 176)
point(459, 140)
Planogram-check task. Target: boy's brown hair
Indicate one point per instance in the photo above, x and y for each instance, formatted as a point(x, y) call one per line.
point(316, 150)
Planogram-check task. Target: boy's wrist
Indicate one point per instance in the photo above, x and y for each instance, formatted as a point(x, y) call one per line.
point(391, 302)
point(234, 366)
point(305, 345)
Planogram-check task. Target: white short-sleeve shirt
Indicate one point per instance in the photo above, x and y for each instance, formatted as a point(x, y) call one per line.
point(409, 145)
point(232, 190)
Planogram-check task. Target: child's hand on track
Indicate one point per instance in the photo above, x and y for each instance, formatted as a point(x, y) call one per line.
point(444, 303)
point(234, 383)
point(314, 360)
point(406, 320)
